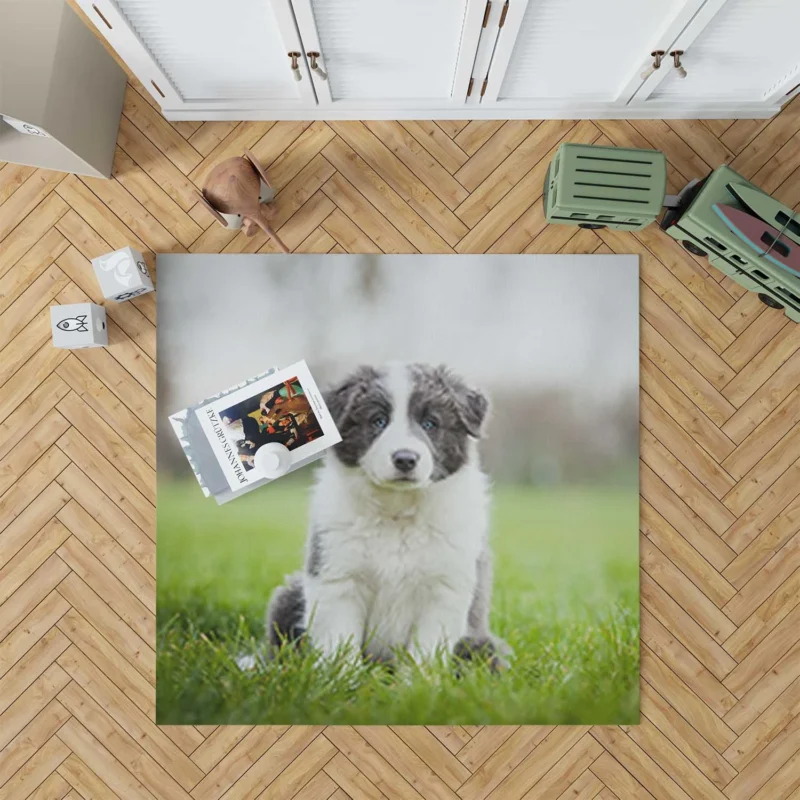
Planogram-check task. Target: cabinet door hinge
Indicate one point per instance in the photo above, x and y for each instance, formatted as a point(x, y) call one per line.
point(486, 13)
point(469, 88)
point(503, 15)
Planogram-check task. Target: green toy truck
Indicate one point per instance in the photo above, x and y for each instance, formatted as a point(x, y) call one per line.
point(598, 187)
point(702, 232)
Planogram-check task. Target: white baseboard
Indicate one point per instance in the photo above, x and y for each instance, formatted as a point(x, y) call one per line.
point(651, 111)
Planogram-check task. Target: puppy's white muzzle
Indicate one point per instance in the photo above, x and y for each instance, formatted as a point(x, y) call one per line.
point(399, 459)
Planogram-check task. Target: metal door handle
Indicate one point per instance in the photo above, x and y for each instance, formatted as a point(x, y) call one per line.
point(676, 57)
point(313, 56)
point(657, 55)
point(294, 55)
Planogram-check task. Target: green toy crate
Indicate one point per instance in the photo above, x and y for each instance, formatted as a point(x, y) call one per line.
point(605, 187)
point(702, 232)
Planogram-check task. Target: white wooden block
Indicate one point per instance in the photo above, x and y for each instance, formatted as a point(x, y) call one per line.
point(122, 274)
point(79, 325)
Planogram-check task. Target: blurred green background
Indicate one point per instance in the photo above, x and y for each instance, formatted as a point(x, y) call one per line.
point(565, 598)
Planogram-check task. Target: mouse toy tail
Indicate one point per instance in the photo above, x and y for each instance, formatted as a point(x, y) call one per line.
point(263, 223)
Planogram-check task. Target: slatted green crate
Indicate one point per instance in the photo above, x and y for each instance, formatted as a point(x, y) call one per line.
point(598, 187)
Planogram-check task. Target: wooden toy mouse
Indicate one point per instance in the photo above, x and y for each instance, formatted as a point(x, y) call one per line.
point(233, 194)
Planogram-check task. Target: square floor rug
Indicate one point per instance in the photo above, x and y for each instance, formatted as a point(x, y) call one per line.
point(466, 554)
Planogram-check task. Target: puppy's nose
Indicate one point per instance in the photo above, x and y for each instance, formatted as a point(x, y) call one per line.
point(405, 460)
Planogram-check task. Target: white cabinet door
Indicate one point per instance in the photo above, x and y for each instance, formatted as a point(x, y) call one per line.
point(737, 51)
point(386, 54)
point(578, 54)
point(230, 55)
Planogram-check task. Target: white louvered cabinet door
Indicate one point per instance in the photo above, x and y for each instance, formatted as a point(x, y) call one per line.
point(231, 55)
point(388, 54)
point(578, 54)
point(747, 50)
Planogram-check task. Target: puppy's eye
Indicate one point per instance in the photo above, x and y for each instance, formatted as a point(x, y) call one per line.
point(379, 421)
point(429, 424)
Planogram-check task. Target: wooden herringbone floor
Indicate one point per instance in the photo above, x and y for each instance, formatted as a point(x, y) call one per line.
point(720, 472)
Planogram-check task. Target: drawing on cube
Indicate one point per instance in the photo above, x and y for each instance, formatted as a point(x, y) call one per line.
point(79, 325)
point(122, 275)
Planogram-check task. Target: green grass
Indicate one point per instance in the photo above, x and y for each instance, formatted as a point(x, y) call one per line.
point(565, 598)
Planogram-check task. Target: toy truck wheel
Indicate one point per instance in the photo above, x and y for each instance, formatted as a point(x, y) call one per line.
point(592, 226)
point(693, 249)
point(769, 301)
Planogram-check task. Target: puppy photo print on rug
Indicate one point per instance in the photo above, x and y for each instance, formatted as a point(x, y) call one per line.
point(466, 554)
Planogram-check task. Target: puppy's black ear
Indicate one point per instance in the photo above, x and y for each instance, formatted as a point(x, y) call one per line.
point(471, 404)
point(342, 398)
point(473, 407)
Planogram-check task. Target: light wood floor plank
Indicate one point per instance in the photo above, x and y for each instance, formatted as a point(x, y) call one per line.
point(209, 135)
point(476, 133)
point(351, 782)
point(120, 744)
point(692, 635)
point(34, 736)
point(538, 144)
point(684, 737)
point(94, 537)
point(691, 707)
point(113, 592)
point(681, 554)
point(682, 410)
point(106, 769)
point(524, 780)
point(153, 198)
point(426, 168)
point(30, 267)
point(618, 781)
point(12, 176)
point(499, 204)
point(102, 472)
point(153, 161)
point(380, 193)
point(31, 230)
point(502, 763)
point(431, 136)
point(32, 192)
point(159, 131)
point(122, 637)
point(84, 782)
point(760, 697)
point(761, 549)
point(285, 151)
point(675, 582)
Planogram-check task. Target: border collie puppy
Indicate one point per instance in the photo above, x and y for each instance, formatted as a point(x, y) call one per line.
point(397, 554)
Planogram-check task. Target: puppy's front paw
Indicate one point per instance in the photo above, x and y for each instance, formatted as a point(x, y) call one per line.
point(247, 663)
point(485, 651)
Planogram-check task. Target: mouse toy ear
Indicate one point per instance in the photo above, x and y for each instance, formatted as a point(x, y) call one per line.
point(257, 167)
point(213, 211)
